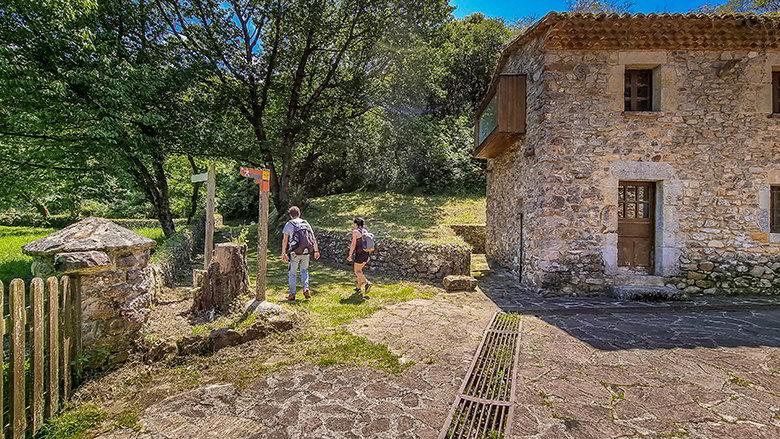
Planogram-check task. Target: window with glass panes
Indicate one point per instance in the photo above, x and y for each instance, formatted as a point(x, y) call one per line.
point(639, 90)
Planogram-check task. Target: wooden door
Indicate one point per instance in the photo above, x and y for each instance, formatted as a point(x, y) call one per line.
point(636, 224)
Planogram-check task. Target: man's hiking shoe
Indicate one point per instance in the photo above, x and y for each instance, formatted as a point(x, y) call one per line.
point(290, 298)
point(368, 287)
point(306, 293)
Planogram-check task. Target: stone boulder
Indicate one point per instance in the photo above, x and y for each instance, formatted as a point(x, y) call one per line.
point(225, 279)
point(459, 283)
point(81, 262)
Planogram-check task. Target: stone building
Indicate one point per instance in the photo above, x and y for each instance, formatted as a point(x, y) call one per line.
point(636, 150)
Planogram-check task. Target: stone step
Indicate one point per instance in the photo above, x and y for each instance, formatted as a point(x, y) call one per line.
point(644, 280)
point(646, 292)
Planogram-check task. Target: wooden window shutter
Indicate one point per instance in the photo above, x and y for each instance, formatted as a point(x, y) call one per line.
point(511, 103)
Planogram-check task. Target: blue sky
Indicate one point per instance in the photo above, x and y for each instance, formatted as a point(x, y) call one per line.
point(514, 9)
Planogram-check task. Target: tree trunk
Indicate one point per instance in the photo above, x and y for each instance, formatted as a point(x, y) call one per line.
point(195, 192)
point(163, 204)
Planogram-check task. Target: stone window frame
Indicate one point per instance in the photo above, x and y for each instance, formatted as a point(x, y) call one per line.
point(765, 204)
point(668, 191)
point(663, 77)
point(766, 92)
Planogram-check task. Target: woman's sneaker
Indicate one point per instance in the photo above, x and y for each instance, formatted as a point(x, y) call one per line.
point(368, 287)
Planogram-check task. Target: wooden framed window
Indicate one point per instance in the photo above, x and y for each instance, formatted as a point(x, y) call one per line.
point(501, 119)
point(774, 209)
point(776, 92)
point(639, 90)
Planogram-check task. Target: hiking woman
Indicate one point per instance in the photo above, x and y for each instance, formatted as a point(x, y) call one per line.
point(358, 255)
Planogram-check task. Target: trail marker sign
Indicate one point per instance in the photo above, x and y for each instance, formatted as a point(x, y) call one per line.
point(263, 178)
point(200, 178)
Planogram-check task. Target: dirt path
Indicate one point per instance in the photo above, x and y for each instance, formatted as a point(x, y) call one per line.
point(438, 335)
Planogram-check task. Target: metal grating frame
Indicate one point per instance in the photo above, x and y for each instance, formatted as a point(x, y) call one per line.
point(485, 405)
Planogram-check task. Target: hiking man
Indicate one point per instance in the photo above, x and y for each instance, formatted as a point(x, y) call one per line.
point(298, 244)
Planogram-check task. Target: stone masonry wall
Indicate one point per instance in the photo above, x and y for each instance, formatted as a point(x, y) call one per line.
point(513, 179)
point(711, 149)
point(408, 260)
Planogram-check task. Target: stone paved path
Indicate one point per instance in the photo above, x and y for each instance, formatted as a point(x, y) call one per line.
point(599, 368)
point(440, 335)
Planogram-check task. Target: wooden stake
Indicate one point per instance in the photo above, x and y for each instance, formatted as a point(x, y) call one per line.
point(262, 245)
point(211, 189)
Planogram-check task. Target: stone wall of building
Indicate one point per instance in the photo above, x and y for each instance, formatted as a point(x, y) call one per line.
point(405, 259)
point(711, 148)
point(513, 189)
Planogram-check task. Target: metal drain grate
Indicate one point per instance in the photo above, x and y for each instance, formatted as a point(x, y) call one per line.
point(484, 408)
point(478, 420)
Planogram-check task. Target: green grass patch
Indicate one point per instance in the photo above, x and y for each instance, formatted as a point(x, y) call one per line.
point(399, 216)
point(73, 424)
point(344, 348)
point(14, 263)
point(155, 233)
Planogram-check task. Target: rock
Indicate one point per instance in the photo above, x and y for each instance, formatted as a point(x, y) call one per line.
point(459, 283)
point(163, 350)
point(264, 308)
point(224, 337)
point(225, 279)
point(82, 262)
point(258, 330)
point(192, 345)
point(281, 323)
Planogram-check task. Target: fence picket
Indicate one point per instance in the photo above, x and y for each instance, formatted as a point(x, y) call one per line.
point(39, 366)
point(19, 319)
point(37, 353)
point(65, 335)
point(2, 359)
point(54, 338)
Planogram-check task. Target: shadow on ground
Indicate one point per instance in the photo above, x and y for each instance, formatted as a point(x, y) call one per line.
point(610, 324)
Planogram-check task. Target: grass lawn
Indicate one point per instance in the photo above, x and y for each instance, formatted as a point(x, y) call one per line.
point(417, 217)
point(321, 338)
point(15, 264)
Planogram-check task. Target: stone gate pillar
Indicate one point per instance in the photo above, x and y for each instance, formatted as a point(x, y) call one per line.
point(111, 266)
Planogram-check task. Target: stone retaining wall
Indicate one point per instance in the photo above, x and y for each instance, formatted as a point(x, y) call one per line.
point(406, 259)
point(473, 234)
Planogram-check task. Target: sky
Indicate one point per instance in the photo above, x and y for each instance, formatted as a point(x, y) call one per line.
point(515, 9)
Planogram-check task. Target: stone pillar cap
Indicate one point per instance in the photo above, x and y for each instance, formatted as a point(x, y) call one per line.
point(89, 234)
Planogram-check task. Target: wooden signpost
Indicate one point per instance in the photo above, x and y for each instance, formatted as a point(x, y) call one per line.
point(211, 188)
point(263, 178)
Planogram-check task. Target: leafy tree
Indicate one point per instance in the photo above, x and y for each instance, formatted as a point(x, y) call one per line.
point(598, 6)
point(297, 70)
point(758, 6)
point(97, 85)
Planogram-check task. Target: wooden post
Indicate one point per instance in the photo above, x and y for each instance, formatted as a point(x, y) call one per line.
point(262, 245)
point(37, 351)
point(17, 380)
point(211, 189)
point(2, 366)
point(54, 341)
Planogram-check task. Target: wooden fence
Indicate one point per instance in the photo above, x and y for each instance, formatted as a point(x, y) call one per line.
point(41, 334)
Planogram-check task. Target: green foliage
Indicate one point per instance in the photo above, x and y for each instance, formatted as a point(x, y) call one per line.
point(73, 424)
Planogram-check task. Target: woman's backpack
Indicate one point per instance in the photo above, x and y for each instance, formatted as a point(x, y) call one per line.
point(367, 241)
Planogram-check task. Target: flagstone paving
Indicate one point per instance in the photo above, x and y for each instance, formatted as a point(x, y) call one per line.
point(601, 369)
point(439, 335)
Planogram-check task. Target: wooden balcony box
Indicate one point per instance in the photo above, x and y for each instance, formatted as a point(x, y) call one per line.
point(501, 118)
